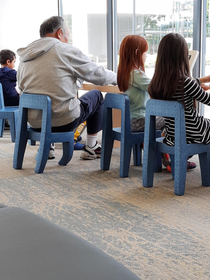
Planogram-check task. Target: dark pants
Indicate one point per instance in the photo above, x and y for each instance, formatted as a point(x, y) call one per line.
point(91, 107)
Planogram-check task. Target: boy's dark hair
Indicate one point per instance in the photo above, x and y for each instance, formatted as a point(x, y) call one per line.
point(51, 25)
point(6, 55)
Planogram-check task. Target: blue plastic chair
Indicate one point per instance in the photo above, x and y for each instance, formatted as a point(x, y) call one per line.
point(46, 137)
point(178, 153)
point(123, 134)
point(10, 113)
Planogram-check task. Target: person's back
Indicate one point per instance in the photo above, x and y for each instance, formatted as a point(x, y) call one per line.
point(8, 78)
point(132, 79)
point(52, 67)
point(172, 81)
point(49, 66)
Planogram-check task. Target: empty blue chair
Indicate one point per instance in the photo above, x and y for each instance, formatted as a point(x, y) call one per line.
point(123, 134)
point(46, 137)
point(10, 113)
point(179, 153)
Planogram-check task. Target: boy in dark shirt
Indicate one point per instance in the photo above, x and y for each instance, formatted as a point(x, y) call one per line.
point(8, 77)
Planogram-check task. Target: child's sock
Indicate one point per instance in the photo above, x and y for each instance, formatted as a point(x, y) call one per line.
point(91, 140)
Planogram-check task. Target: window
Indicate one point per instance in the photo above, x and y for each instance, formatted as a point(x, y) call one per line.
point(21, 27)
point(207, 54)
point(87, 24)
point(153, 19)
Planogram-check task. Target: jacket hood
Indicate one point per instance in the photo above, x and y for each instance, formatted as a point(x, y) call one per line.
point(4, 70)
point(37, 48)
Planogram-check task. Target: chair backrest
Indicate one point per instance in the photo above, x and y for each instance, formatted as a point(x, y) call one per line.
point(1, 97)
point(172, 109)
point(38, 102)
point(120, 102)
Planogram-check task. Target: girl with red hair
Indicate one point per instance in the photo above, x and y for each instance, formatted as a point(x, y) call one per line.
point(132, 80)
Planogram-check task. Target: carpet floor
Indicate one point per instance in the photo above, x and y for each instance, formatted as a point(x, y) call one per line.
point(154, 233)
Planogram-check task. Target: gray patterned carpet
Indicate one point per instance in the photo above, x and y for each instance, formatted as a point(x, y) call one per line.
point(154, 233)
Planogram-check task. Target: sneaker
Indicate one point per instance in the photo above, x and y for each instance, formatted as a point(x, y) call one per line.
point(190, 165)
point(91, 153)
point(52, 151)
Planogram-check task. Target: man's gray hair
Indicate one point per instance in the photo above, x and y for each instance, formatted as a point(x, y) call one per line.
point(51, 25)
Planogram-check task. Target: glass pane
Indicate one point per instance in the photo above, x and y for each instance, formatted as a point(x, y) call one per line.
point(207, 58)
point(152, 20)
point(87, 24)
point(22, 27)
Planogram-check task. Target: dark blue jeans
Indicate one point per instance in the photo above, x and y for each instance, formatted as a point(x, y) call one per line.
point(91, 111)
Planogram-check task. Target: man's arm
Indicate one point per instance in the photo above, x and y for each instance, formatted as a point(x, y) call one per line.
point(89, 71)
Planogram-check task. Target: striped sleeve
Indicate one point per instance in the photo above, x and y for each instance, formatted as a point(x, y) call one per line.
point(192, 89)
point(197, 127)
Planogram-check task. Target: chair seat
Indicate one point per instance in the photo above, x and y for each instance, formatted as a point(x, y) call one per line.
point(191, 148)
point(9, 109)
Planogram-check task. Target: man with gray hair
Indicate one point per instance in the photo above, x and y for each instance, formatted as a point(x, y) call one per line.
point(52, 67)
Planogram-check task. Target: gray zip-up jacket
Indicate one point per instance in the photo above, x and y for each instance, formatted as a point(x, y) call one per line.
point(48, 66)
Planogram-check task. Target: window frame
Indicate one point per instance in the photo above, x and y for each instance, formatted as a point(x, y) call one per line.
point(199, 34)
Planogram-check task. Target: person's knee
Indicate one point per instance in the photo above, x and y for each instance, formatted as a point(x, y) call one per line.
point(97, 93)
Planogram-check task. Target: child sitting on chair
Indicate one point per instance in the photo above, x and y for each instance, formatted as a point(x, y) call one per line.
point(132, 80)
point(8, 78)
point(172, 81)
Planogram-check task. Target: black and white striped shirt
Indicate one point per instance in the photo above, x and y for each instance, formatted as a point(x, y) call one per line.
point(197, 127)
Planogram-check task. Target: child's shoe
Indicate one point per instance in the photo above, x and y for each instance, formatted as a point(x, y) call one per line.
point(52, 151)
point(78, 146)
point(191, 165)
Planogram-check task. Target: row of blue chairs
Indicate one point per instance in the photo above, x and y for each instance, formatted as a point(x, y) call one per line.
point(153, 142)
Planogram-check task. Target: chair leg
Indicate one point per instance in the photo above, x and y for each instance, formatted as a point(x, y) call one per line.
point(42, 156)
point(205, 168)
point(32, 142)
point(172, 165)
point(148, 166)
point(158, 162)
point(20, 147)
point(137, 154)
point(68, 148)
point(2, 123)
point(106, 153)
point(12, 124)
point(150, 135)
point(180, 170)
point(158, 157)
point(125, 157)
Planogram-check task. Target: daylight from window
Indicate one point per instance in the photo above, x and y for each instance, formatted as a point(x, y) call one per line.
point(151, 19)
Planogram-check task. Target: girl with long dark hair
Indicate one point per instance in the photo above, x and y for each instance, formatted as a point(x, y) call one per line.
point(172, 81)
